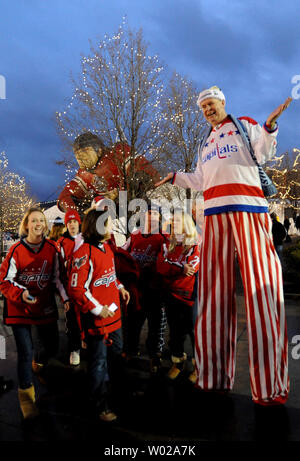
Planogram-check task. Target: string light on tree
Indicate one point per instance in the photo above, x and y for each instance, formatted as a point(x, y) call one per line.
point(285, 173)
point(117, 96)
point(14, 199)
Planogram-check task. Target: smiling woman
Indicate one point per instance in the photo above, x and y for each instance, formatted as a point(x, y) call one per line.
point(27, 276)
point(33, 226)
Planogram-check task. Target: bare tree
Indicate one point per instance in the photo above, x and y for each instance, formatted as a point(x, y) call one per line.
point(285, 173)
point(14, 200)
point(117, 97)
point(181, 125)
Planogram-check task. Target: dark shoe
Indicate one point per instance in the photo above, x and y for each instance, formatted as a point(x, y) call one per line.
point(5, 385)
point(155, 364)
point(271, 422)
point(38, 369)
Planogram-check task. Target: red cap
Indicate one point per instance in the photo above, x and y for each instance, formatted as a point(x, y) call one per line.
point(96, 203)
point(72, 214)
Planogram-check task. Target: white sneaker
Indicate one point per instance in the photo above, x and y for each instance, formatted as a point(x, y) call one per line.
point(75, 357)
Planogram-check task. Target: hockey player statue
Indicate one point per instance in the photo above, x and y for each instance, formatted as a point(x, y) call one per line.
point(104, 171)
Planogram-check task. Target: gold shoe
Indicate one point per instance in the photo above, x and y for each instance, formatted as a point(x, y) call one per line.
point(27, 402)
point(108, 416)
point(177, 367)
point(173, 372)
point(193, 375)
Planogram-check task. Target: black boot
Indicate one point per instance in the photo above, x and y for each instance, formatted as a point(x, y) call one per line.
point(5, 385)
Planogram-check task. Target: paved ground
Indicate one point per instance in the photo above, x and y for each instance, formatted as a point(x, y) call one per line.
point(152, 409)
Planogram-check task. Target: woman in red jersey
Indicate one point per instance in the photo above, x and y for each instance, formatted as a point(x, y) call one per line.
point(28, 278)
point(144, 246)
point(95, 291)
point(178, 263)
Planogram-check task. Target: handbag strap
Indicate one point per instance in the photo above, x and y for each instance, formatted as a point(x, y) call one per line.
point(245, 137)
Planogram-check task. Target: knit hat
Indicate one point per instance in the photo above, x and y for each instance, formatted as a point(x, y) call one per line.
point(213, 92)
point(58, 220)
point(72, 214)
point(96, 203)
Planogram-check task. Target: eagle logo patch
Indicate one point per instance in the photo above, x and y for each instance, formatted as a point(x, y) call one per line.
point(79, 262)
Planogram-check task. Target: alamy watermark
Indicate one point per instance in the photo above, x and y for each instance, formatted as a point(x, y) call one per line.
point(296, 348)
point(296, 89)
point(2, 87)
point(132, 216)
point(2, 348)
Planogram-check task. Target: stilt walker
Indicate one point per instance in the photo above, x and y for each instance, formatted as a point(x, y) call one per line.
point(236, 217)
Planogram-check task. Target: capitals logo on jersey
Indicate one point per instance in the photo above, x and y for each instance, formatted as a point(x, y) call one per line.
point(34, 276)
point(145, 256)
point(79, 262)
point(220, 152)
point(106, 280)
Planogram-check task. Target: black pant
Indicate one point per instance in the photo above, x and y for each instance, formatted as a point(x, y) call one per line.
point(152, 310)
point(72, 330)
point(181, 323)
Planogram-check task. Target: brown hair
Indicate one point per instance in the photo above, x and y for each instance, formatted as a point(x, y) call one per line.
point(57, 231)
point(23, 231)
point(91, 231)
point(88, 139)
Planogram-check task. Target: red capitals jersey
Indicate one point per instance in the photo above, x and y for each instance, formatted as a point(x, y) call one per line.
point(93, 284)
point(144, 248)
point(107, 175)
point(170, 266)
point(66, 246)
point(39, 273)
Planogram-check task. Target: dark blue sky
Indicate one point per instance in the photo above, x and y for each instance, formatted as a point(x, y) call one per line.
point(250, 49)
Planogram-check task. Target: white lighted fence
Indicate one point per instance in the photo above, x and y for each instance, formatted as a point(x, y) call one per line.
point(2, 348)
point(2, 87)
point(296, 89)
point(6, 246)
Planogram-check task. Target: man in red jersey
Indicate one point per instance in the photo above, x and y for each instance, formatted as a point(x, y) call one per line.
point(66, 245)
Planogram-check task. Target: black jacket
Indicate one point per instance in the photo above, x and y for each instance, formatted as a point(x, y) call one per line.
point(278, 231)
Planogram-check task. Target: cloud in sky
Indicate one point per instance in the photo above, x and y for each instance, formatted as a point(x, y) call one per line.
point(250, 49)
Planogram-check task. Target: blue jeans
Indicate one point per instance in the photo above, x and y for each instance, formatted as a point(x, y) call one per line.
point(48, 336)
point(279, 249)
point(103, 361)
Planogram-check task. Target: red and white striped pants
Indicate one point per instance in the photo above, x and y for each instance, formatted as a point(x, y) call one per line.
point(215, 331)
